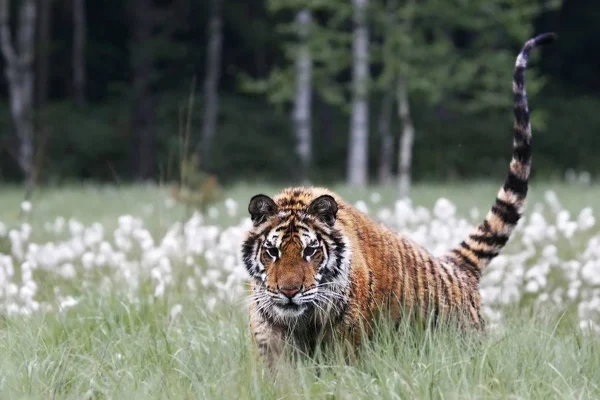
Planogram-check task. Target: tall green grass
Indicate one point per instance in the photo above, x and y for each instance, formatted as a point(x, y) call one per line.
point(109, 348)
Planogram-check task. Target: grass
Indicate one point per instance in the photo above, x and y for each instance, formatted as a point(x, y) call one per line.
point(107, 348)
point(110, 347)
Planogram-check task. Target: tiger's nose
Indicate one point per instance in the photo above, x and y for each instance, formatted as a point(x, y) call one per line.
point(290, 291)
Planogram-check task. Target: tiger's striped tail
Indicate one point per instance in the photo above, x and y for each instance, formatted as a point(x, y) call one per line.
point(485, 242)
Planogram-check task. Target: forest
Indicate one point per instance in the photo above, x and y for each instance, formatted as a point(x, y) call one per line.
point(273, 90)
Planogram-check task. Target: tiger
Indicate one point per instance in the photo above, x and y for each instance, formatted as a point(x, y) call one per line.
point(319, 267)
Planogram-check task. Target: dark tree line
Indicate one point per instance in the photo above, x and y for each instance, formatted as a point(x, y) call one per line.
point(110, 90)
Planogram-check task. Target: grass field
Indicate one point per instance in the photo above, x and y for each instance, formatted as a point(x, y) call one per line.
point(120, 293)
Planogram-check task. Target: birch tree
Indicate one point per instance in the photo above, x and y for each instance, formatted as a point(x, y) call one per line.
point(19, 73)
point(386, 147)
point(302, 102)
point(406, 139)
point(307, 51)
point(78, 58)
point(211, 80)
point(357, 168)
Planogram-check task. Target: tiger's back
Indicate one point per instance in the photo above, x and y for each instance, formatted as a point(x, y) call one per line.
point(319, 266)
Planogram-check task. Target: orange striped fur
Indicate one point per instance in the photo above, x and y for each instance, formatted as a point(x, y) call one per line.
point(321, 267)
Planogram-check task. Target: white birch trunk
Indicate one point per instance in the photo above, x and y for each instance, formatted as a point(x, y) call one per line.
point(359, 123)
point(406, 140)
point(211, 81)
point(387, 141)
point(79, 38)
point(302, 103)
point(19, 74)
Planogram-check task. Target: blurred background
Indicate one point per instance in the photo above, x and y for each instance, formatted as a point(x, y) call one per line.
point(291, 91)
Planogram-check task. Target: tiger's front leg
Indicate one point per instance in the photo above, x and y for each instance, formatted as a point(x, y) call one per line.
point(269, 340)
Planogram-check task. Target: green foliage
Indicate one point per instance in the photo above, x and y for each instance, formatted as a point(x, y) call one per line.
point(458, 57)
point(456, 53)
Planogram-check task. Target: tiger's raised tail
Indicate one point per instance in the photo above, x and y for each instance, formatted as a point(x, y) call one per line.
point(484, 243)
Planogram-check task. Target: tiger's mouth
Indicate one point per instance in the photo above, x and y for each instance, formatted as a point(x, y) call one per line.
point(290, 309)
point(291, 306)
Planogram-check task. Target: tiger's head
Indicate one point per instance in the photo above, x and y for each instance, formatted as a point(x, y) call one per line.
point(298, 260)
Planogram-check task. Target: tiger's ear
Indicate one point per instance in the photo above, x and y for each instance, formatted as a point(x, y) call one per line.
point(325, 208)
point(261, 207)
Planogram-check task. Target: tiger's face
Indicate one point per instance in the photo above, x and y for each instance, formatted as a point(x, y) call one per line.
point(296, 257)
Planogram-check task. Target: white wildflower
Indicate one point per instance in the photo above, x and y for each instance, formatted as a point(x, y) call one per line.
point(231, 206)
point(444, 209)
point(175, 311)
point(26, 206)
point(362, 206)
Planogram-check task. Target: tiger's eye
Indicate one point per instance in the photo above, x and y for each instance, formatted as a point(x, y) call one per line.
point(310, 251)
point(272, 251)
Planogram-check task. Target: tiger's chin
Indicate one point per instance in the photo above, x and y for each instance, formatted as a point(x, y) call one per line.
point(289, 311)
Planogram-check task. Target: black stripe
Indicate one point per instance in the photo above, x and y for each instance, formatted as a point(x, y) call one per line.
point(479, 253)
point(370, 300)
point(485, 254)
point(473, 303)
point(515, 184)
point(506, 212)
point(519, 75)
point(519, 99)
point(446, 289)
point(435, 278)
point(343, 310)
point(521, 115)
point(426, 292)
point(491, 239)
point(522, 153)
point(467, 264)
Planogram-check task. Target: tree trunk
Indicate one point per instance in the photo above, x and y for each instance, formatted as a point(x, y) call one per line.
point(19, 74)
point(79, 39)
point(359, 123)
point(44, 38)
point(211, 82)
point(406, 141)
point(302, 104)
point(142, 65)
point(387, 140)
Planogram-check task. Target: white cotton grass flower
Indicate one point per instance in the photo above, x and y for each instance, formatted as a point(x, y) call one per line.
point(552, 200)
point(375, 198)
point(586, 219)
point(444, 209)
point(231, 206)
point(26, 206)
point(213, 212)
point(585, 178)
point(362, 206)
point(175, 311)
point(67, 302)
point(169, 203)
